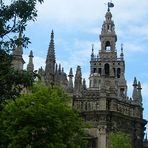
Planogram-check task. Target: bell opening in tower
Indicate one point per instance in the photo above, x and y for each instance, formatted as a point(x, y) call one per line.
point(107, 46)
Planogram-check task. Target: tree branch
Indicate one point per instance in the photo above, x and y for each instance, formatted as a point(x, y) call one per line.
point(14, 23)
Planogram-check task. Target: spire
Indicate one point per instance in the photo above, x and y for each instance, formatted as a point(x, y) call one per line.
point(78, 81)
point(51, 49)
point(84, 84)
point(139, 93)
point(70, 82)
point(18, 61)
point(30, 66)
point(135, 93)
point(62, 69)
point(56, 68)
point(50, 62)
point(59, 69)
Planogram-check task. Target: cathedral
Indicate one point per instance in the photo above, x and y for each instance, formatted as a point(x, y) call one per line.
point(104, 103)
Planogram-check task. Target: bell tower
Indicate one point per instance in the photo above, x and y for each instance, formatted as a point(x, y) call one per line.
point(106, 67)
point(108, 36)
point(105, 103)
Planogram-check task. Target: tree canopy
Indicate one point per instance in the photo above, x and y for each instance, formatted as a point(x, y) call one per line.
point(12, 82)
point(14, 16)
point(41, 119)
point(120, 140)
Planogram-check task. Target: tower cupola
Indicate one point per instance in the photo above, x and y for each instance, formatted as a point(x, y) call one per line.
point(108, 36)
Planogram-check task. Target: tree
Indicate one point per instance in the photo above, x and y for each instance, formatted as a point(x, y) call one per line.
point(13, 21)
point(41, 119)
point(120, 140)
point(12, 82)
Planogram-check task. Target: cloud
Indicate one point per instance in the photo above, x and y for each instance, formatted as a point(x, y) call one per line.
point(69, 11)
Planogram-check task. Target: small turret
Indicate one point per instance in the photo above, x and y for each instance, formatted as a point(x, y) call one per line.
point(56, 68)
point(70, 82)
point(84, 84)
point(59, 70)
point(41, 73)
point(30, 66)
point(78, 81)
point(137, 97)
point(134, 95)
point(139, 93)
point(18, 61)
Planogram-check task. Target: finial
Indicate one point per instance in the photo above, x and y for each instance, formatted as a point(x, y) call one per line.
point(122, 55)
point(52, 34)
point(31, 54)
point(70, 72)
point(135, 82)
point(62, 69)
point(121, 46)
point(59, 68)
point(92, 47)
point(110, 5)
point(139, 85)
point(92, 54)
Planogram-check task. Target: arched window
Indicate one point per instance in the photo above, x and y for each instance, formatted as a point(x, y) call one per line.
point(94, 70)
point(118, 72)
point(107, 45)
point(106, 67)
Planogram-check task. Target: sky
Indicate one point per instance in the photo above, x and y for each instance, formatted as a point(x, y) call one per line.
point(77, 25)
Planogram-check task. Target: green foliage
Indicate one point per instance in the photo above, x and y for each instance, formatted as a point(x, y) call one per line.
point(13, 20)
point(120, 140)
point(41, 119)
point(11, 81)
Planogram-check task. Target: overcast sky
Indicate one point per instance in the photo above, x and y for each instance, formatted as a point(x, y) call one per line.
point(77, 25)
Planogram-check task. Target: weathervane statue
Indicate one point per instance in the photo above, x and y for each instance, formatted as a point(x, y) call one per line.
point(110, 5)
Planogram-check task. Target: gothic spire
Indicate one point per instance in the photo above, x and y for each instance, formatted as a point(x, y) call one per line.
point(50, 62)
point(30, 66)
point(51, 50)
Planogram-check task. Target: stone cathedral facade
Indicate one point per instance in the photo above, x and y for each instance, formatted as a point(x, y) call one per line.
point(104, 103)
